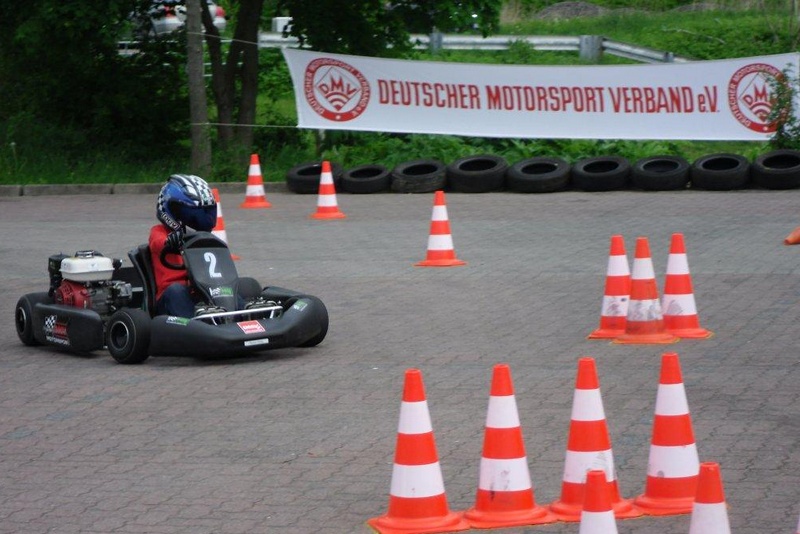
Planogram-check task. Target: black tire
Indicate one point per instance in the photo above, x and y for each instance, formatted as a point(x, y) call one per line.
point(23, 316)
point(660, 173)
point(128, 336)
point(720, 172)
point(322, 315)
point(477, 174)
point(248, 288)
point(366, 179)
point(778, 169)
point(538, 175)
point(601, 173)
point(419, 176)
point(303, 179)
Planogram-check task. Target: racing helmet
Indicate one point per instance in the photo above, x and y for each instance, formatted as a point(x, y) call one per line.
point(186, 200)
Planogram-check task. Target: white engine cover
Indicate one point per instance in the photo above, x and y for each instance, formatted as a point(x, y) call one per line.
point(89, 269)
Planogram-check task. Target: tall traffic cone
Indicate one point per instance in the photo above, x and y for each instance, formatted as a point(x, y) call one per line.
point(440, 242)
point(678, 305)
point(597, 516)
point(417, 501)
point(645, 322)
point(219, 228)
point(709, 512)
point(588, 448)
point(327, 207)
point(255, 196)
point(505, 494)
point(673, 464)
point(614, 313)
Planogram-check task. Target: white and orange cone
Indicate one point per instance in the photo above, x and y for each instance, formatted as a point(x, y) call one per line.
point(219, 228)
point(597, 516)
point(678, 304)
point(505, 496)
point(645, 322)
point(255, 197)
point(417, 500)
point(614, 312)
point(673, 464)
point(440, 242)
point(588, 448)
point(709, 512)
point(327, 206)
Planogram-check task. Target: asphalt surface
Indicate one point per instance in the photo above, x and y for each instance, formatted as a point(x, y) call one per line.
point(303, 440)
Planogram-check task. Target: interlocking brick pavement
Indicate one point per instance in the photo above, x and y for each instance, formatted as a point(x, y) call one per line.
point(302, 440)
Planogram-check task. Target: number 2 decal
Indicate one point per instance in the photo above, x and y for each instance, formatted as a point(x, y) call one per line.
point(212, 265)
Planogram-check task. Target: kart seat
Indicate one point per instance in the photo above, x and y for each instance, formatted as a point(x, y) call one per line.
point(143, 262)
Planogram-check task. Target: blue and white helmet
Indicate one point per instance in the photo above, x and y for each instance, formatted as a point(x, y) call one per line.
point(186, 200)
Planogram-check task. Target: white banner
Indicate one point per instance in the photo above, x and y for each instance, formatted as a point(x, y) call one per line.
point(704, 100)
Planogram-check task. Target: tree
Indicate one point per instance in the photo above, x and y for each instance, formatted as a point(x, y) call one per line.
point(198, 104)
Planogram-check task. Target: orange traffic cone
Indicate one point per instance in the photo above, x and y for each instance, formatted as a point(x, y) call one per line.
point(793, 239)
point(588, 447)
point(255, 196)
point(327, 207)
point(505, 494)
point(680, 311)
point(673, 464)
point(440, 242)
point(597, 516)
point(417, 501)
point(709, 512)
point(219, 228)
point(645, 322)
point(614, 313)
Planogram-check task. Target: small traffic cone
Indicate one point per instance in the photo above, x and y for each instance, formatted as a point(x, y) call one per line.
point(505, 494)
point(645, 322)
point(417, 500)
point(709, 512)
point(255, 196)
point(678, 305)
point(793, 239)
point(327, 207)
point(219, 228)
point(440, 242)
point(588, 448)
point(614, 313)
point(673, 464)
point(597, 516)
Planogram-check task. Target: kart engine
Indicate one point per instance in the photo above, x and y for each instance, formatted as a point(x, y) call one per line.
point(84, 281)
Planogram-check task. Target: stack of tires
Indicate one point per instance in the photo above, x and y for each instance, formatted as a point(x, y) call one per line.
point(484, 173)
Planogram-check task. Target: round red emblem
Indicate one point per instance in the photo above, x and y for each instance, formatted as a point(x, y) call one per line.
point(335, 90)
point(750, 95)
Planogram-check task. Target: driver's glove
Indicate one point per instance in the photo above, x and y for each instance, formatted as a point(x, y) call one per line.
point(174, 242)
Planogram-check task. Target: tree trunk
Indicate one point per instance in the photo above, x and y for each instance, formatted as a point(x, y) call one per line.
point(198, 106)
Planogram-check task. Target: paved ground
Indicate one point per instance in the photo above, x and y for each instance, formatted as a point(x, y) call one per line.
point(302, 440)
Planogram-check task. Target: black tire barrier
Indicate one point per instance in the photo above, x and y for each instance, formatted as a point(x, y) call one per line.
point(366, 179)
point(601, 173)
point(720, 172)
point(778, 169)
point(303, 179)
point(477, 174)
point(419, 176)
point(660, 173)
point(538, 175)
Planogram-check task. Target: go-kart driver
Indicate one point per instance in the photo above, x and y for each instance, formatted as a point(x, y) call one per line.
point(185, 201)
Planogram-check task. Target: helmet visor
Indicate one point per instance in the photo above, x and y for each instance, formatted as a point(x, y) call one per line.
point(200, 218)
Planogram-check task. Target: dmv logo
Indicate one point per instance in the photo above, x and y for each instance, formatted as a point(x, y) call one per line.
point(335, 90)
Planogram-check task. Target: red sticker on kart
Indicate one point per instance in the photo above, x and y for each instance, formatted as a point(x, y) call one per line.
point(251, 327)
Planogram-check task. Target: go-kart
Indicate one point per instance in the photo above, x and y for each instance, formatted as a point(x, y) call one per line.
point(95, 302)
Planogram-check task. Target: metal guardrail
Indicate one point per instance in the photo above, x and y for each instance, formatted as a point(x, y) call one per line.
point(590, 47)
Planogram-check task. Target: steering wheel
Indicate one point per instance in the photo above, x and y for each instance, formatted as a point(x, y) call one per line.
point(168, 264)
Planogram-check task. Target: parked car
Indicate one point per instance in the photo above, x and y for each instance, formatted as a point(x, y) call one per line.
point(166, 16)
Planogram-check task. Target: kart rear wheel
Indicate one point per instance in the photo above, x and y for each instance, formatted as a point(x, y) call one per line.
point(322, 315)
point(23, 316)
point(128, 336)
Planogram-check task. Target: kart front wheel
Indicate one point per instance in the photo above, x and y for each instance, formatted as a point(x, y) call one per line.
point(23, 316)
point(128, 336)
